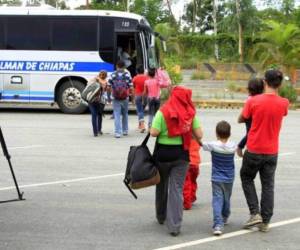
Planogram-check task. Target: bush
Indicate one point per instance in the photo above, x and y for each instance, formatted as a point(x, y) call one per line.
point(289, 92)
point(232, 86)
point(198, 75)
point(171, 65)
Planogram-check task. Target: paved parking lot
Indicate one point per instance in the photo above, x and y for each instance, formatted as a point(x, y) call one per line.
point(75, 198)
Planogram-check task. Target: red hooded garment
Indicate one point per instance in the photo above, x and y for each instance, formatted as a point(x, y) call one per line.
point(179, 112)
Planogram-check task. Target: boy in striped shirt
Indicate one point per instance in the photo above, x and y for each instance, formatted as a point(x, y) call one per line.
point(222, 152)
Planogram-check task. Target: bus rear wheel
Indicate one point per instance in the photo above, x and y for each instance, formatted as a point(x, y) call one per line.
point(69, 97)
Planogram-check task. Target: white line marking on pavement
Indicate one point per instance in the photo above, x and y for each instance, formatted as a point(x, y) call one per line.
point(63, 181)
point(99, 177)
point(225, 236)
point(26, 147)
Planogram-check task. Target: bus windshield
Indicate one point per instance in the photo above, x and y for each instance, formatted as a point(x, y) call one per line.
point(153, 62)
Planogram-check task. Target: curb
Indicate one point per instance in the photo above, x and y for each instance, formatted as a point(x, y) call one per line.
point(225, 104)
point(229, 104)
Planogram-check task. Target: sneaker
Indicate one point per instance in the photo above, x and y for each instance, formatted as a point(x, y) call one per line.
point(264, 227)
point(125, 134)
point(174, 234)
point(117, 136)
point(217, 231)
point(254, 220)
point(161, 222)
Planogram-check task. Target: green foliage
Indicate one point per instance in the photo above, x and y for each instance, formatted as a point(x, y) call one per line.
point(204, 9)
point(287, 6)
point(198, 75)
point(249, 17)
point(289, 92)
point(153, 10)
point(170, 63)
point(278, 44)
point(232, 86)
point(108, 5)
point(11, 2)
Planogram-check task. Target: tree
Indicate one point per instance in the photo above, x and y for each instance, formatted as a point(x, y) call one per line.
point(240, 17)
point(279, 44)
point(215, 11)
point(11, 2)
point(288, 7)
point(153, 10)
point(240, 29)
point(198, 15)
point(108, 5)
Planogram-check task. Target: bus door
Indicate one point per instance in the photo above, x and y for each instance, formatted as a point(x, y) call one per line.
point(128, 37)
point(143, 49)
point(15, 87)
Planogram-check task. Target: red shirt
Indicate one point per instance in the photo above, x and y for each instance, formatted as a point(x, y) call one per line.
point(266, 111)
point(138, 83)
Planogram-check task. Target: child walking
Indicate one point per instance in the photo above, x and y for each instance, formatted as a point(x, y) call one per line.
point(255, 87)
point(152, 90)
point(139, 84)
point(190, 184)
point(222, 152)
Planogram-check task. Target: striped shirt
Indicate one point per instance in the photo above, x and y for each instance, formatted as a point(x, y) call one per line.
point(222, 160)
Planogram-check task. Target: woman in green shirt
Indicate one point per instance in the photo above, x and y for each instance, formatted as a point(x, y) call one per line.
point(174, 125)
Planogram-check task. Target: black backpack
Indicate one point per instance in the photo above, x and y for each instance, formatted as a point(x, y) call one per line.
point(141, 170)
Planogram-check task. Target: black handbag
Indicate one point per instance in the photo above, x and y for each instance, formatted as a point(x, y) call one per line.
point(141, 170)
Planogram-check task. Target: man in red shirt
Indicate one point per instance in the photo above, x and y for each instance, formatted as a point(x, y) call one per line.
point(138, 84)
point(266, 111)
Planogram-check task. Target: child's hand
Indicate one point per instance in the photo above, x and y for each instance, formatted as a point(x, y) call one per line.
point(239, 152)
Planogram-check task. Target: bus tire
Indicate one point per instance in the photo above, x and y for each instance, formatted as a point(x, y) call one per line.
point(69, 97)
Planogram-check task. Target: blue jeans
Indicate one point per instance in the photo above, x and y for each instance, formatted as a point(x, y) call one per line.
point(154, 104)
point(221, 201)
point(139, 108)
point(96, 117)
point(120, 108)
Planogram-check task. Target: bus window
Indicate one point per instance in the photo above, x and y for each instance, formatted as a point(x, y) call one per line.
point(106, 46)
point(2, 46)
point(33, 30)
point(75, 34)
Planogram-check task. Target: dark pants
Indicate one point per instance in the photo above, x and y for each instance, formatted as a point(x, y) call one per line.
point(169, 198)
point(266, 166)
point(153, 106)
point(97, 113)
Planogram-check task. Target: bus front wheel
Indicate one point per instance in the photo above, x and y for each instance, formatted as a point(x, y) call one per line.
point(69, 97)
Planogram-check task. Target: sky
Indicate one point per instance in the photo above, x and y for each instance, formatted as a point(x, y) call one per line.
point(177, 8)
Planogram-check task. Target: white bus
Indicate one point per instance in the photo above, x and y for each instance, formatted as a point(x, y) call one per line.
point(47, 56)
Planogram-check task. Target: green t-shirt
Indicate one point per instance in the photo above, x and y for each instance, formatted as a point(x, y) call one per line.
point(159, 123)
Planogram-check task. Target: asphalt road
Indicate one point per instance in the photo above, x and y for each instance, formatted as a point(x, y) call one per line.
point(75, 198)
